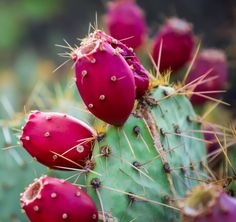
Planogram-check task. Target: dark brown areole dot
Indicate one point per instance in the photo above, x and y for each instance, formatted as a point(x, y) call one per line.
point(130, 196)
point(189, 119)
point(166, 93)
point(100, 137)
point(163, 133)
point(89, 165)
point(151, 101)
point(166, 199)
point(182, 169)
point(176, 128)
point(166, 167)
point(105, 151)
point(96, 183)
point(136, 130)
point(191, 166)
point(137, 164)
point(201, 164)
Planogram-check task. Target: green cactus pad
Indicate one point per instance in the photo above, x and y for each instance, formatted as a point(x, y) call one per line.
point(143, 167)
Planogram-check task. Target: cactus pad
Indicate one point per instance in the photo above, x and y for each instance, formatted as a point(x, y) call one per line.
point(143, 167)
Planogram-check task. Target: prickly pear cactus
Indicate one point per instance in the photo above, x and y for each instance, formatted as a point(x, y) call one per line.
point(146, 156)
point(145, 166)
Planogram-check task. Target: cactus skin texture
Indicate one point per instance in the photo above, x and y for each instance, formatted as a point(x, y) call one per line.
point(178, 43)
point(56, 200)
point(148, 160)
point(125, 21)
point(209, 59)
point(47, 134)
point(209, 203)
point(107, 77)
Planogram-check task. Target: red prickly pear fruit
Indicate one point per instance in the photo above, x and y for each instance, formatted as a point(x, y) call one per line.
point(104, 79)
point(125, 21)
point(209, 59)
point(57, 140)
point(56, 200)
point(177, 44)
point(209, 203)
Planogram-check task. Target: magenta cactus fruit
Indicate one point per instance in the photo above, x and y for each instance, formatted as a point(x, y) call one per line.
point(125, 21)
point(108, 77)
point(209, 203)
point(105, 81)
point(177, 44)
point(209, 59)
point(57, 140)
point(56, 200)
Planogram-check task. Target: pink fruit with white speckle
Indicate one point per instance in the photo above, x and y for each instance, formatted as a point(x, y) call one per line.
point(55, 200)
point(57, 140)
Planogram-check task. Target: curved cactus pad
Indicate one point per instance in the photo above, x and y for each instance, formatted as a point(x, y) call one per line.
point(143, 167)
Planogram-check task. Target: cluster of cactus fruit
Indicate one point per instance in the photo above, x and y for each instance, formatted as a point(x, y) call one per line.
point(137, 165)
point(144, 159)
